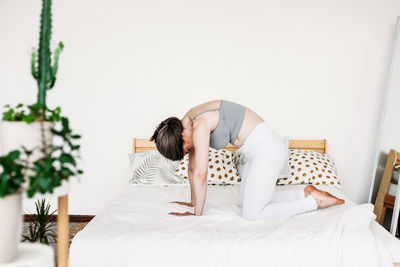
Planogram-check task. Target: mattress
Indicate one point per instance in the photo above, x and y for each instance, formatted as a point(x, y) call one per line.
point(134, 229)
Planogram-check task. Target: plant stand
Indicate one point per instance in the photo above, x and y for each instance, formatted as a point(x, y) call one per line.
point(62, 224)
point(62, 231)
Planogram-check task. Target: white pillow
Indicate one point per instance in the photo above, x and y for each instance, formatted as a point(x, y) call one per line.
point(310, 167)
point(221, 167)
point(151, 167)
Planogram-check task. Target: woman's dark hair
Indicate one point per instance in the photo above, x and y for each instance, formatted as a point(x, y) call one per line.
point(168, 138)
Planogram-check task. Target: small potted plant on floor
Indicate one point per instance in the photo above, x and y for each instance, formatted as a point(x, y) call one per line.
point(33, 161)
point(41, 227)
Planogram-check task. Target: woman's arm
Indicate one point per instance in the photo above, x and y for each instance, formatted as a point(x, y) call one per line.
point(197, 169)
point(190, 174)
point(199, 166)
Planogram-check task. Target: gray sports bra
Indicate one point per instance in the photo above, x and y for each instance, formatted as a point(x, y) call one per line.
point(230, 121)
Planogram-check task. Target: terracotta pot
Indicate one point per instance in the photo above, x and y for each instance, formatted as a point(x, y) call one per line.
point(10, 226)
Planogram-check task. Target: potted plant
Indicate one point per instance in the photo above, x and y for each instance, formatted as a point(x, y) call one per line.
point(27, 125)
point(41, 228)
point(33, 161)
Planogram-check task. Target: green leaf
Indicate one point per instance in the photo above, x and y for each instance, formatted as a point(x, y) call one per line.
point(29, 118)
point(30, 193)
point(66, 172)
point(57, 110)
point(65, 124)
point(75, 147)
point(53, 131)
point(8, 115)
point(44, 184)
point(67, 158)
point(13, 155)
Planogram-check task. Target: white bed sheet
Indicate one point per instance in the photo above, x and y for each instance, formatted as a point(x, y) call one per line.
point(134, 229)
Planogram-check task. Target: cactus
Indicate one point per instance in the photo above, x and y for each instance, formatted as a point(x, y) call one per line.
point(42, 69)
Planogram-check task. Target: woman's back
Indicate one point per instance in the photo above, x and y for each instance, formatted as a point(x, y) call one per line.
point(237, 119)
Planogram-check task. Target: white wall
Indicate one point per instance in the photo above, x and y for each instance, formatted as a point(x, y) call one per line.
point(311, 68)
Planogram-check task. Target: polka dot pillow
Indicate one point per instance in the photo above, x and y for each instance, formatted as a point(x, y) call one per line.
point(221, 169)
point(310, 167)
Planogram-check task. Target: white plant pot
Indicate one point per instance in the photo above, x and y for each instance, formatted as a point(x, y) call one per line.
point(10, 226)
point(14, 134)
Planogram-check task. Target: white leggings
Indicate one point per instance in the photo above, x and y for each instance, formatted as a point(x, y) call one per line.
point(264, 155)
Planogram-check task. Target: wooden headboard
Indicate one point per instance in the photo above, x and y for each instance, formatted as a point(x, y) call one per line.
point(141, 145)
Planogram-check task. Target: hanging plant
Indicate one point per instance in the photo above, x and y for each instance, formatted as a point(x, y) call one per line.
point(58, 163)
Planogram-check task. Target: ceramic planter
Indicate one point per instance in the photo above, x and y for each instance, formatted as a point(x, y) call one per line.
point(10, 226)
point(13, 135)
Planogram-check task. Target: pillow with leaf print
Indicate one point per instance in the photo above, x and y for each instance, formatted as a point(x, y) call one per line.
point(151, 167)
point(221, 168)
point(310, 167)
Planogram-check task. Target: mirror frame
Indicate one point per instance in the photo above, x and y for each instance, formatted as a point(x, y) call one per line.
point(382, 120)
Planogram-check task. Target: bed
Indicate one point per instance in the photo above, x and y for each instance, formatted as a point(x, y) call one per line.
point(134, 229)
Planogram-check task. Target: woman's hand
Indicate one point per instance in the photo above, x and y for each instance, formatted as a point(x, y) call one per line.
point(188, 213)
point(183, 203)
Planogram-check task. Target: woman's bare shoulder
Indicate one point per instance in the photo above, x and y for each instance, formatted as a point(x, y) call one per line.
point(209, 119)
point(213, 104)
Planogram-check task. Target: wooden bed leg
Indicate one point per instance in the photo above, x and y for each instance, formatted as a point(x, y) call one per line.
point(62, 232)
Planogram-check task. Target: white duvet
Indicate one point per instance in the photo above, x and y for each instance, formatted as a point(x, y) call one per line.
point(134, 229)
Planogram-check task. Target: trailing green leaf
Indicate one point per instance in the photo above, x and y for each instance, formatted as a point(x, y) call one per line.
point(31, 113)
point(67, 158)
point(59, 162)
point(11, 173)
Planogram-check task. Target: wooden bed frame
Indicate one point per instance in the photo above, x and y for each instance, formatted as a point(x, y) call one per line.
point(141, 145)
point(318, 145)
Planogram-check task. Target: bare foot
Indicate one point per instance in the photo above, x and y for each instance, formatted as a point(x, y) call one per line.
point(323, 199)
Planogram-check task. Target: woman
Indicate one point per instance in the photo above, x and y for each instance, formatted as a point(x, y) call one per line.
point(215, 124)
